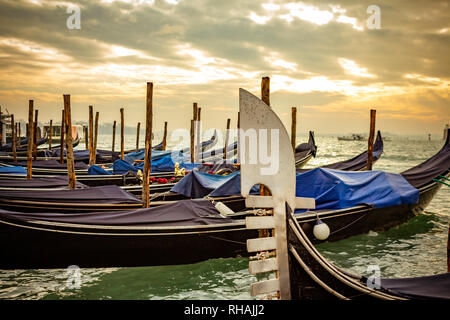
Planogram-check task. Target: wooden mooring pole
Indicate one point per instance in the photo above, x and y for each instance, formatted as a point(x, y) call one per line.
point(97, 114)
point(13, 137)
point(164, 142)
point(61, 140)
point(138, 130)
point(91, 136)
point(113, 138)
point(35, 127)
point(193, 130)
point(69, 143)
point(370, 140)
point(50, 135)
point(30, 134)
point(148, 146)
point(192, 140)
point(294, 128)
point(198, 135)
point(227, 137)
point(86, 137)
point(122, 129)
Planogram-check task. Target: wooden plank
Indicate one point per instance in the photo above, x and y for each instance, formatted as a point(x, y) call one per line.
point(30, 134)
point(261, 266)
point(261, 244)
point(148, 146)
point(264, 287)
point(370, 140)
point(69, 143)
point(263, 222)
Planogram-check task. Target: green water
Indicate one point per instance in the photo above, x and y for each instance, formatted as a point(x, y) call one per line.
point(416, 248)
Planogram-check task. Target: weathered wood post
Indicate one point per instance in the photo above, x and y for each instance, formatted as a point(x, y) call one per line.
point(113, 138)
point(86, 137)
point(370, 140)
point(13, 137)
point(198, 135)
point(164, 142)
point(19, 134)
point(69, 143)
point(138, 130)
point(265, 97)
point(148, 146)
point(96, 133)
point(263, 191)
point(30, 134)
point(122, 129)
point(91, 136)
point(265, 90)
point(61, 140)
point(193, 130)
point(192, 140)
point(50, 135)
point(227, 137)
point(1, 127)
point(294, 127)
point(35, 134)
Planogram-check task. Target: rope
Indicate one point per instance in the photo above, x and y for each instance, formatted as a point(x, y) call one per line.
point(348, 224)
point(227, 240)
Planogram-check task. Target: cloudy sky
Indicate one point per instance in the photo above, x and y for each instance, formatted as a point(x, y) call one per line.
point(321, 56)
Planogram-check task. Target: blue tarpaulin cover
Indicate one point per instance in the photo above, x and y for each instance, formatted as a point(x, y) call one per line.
point(96, 170)
point(336, 189)
point(199, 184)
point(13, 170)
point(332, 189)
point(163, 164)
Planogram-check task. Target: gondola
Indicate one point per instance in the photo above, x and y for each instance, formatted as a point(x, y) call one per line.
point(312, 277)
point(50, 167)
point(34, 201)
point(23, 146)
point(305, 151)
point(124, 238)
point(144, 237)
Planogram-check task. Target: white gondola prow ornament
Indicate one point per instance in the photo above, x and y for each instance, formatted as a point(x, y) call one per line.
point(321, 230)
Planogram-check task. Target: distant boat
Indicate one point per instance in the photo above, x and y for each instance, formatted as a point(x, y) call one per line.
point(353, 137)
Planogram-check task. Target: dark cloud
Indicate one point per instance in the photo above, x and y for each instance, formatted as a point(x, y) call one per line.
point(413, 39)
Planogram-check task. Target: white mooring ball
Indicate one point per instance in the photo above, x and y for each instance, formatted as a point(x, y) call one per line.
point(321, 230)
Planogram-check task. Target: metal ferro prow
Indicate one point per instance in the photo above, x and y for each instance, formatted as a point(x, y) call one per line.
point(262, 134)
